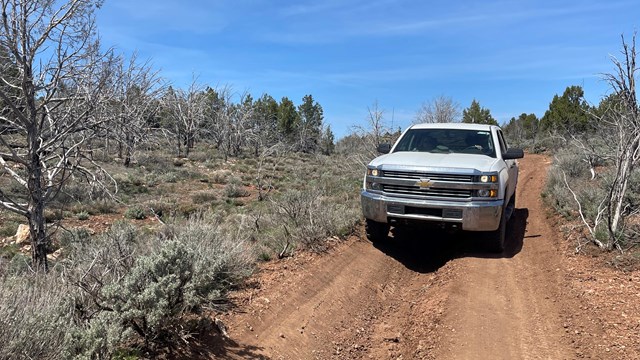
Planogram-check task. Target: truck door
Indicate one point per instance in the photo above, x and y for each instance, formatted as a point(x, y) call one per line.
point(512, 167)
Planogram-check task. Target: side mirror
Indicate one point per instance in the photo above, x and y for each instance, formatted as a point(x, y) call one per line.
point(384, 148)
point(513, 154)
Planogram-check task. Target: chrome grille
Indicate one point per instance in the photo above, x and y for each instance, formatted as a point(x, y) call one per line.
point(426, 175)
point(430, 192)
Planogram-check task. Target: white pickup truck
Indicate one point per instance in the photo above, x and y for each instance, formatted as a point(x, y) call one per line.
point(461, 176)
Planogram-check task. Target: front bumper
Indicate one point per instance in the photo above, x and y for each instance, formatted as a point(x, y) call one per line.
point(471, 215)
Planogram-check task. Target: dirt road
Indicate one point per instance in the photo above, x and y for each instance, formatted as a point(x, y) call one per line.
point(422, 295)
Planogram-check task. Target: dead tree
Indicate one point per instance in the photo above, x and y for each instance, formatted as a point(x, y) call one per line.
point(375, 132)
point(269, 159)
point(624, 118)
point(616, 140)
point(441, 109)
point(136, 90)
point(232, 126)
point(186, 110)
point(377, 125)
point(53, 76)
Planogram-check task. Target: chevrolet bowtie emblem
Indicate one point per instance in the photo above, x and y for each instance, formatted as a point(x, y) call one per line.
point(424, 183)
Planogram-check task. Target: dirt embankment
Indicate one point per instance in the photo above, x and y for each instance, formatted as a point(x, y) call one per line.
point(426, 295)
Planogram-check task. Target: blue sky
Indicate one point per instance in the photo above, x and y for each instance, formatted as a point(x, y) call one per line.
point(511, 56)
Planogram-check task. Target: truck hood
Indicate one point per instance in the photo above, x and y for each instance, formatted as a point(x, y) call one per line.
point(464, 163)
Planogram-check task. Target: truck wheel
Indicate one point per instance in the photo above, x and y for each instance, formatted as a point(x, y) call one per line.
point(497, 237)
point(376, 231)
point(511, 207)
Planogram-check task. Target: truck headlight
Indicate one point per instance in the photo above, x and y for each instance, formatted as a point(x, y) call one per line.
point(373, 172)
point(488, 178)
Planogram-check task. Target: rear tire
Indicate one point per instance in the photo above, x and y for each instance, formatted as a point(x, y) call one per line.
point(376, 231)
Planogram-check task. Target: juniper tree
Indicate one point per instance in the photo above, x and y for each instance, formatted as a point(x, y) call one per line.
point(475, 114)
point(310, 130)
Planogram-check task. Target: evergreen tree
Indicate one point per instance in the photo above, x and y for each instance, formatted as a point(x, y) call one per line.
point(525, 127)
point(568, 112)
point(288, 119)
point(310, 130)
point(327, 144)
point(266, 114)
point(607, 104)
point(475, 114)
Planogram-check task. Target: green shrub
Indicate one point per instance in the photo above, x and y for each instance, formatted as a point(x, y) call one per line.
point(234, 189)
point(160, 208)
point(184, 268)
point(265, 255)
point(103, 206)
point(9, 251)
point(242, 169)
point(232, 202)
point(152, 180)
point(17, 190)
point(204, 196)
point(220, 176)
point(312, 216)
point(131, 183)
point(20, 264)
point(251, 162)
point(153, 294)
point(185, 210)
point(557, 195)
point(34, 317)
point(573, 165)
point(154, 162)
point(570, 169)
point(71, 237)
point(52, 215)
point(73, 191)
point(135, 212)
point(9, 228)
point(169, 177)
point(200, 155)
point(633, 192)
point(177, 162)
point(83, 215)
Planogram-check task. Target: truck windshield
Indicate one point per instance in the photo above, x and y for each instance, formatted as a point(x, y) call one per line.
point(447, 141)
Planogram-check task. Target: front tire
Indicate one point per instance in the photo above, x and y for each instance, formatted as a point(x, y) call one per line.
point(497, 238)
point(376, 231)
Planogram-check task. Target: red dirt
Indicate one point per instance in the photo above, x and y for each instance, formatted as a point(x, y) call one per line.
point(432, 295)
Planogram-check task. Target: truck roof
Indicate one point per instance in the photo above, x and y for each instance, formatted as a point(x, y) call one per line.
point(461, 126)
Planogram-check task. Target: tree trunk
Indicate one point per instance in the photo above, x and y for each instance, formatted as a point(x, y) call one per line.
point(120, 149)
point(35, 207)
point(35, 215)
point(618, 192)
point(187, 148)
point(38, 232)
point(129, 143)
point(178, 142)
